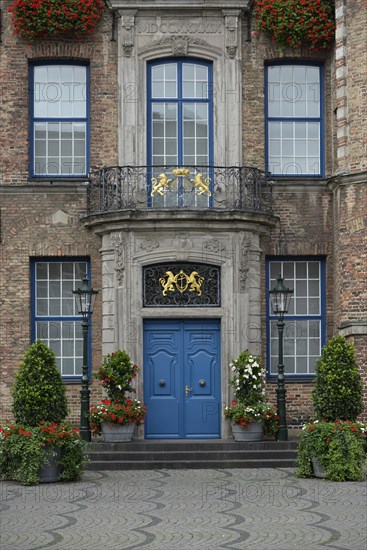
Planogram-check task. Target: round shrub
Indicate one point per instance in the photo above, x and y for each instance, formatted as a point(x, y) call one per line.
point(338, 391)
point(38, 392)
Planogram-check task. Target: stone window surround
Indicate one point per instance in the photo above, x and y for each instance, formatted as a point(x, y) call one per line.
point(223, 49)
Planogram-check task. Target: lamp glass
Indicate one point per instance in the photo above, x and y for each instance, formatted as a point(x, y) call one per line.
point(280, 297)
point(85, 298)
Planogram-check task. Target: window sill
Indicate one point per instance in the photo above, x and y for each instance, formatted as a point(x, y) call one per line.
point(74, 381)
point(52, 180)
point(299, 182)
point(292, 378)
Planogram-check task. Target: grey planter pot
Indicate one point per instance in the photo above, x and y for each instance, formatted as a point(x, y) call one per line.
point(115, 433)
point(253, 432)
point(51, 471)
point(318, 468)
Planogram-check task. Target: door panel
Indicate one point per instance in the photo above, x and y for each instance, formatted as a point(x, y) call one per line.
point(182, 378)
point(161, 378)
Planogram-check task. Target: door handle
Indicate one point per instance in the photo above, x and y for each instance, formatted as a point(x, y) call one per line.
point(187, 390)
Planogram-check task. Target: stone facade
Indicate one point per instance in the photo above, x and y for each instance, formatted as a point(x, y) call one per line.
point(318, 217)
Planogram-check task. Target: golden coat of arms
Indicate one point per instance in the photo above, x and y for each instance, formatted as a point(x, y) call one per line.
point(181, 282)
point(162, 184)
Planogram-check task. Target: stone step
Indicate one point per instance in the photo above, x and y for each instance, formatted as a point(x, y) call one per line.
point(190, 464)
point(164, 454)
point(193, 445)
point(190, 455)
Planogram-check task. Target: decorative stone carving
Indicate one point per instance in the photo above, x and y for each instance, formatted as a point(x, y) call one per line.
point(180, 44)
point(231, 50)
point(127, 49)
point(244, 262)
point(60, 217)
point(214, 246)
point(148, 245)
point(128, 25)
point(231, 22)
point(182, 243)
point(119, 244)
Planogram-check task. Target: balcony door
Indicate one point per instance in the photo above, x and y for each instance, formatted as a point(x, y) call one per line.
point(180, 132)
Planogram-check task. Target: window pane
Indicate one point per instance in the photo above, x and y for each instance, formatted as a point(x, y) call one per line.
point(313, 288)
point(301, 346)
point(42, 307)
point(54, 307)
point(171, 129)
point(275, 269)
point(314, 347)
point(55, 345)
point(66, 148)
point(80, 270)
point(313, 269)
point(289, 347)
point(288, 365)
point(54, 289)
point(301, 365)
point(313, 306)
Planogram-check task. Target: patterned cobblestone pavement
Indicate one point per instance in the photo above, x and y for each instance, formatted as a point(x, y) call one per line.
point(263, 509)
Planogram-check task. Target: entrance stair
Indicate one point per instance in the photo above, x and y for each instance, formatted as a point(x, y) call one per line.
point(156, 454)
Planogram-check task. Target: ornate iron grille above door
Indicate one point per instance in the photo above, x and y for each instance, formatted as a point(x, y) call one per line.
point(180, 284)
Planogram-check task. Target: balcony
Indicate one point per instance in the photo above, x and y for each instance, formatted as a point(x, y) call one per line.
point(243, 189)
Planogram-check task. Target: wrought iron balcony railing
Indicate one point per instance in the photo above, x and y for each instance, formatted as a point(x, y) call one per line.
point(190, 187)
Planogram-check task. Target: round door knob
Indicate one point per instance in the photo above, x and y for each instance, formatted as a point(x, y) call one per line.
point(162, 383)
point(202, 383)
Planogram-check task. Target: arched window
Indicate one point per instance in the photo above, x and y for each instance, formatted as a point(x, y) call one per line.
point(180, 132)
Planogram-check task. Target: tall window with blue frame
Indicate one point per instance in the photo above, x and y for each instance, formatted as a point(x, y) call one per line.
point(294, 119)
point(304, 330)
point(55, 319)
point(180, 132)
point(59, 102)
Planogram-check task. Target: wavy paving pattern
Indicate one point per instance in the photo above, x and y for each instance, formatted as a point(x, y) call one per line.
point(263, 509)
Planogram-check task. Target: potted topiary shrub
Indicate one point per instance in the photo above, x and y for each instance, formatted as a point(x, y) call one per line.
point(333, 444)
point(39, 446)
point(38, 392)
point(338, 390)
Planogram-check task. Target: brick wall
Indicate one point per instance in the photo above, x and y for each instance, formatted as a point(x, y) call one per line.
point(349, 187)
point(15, 55)
point(27, 229)
point(27, 219)
point(315, 218)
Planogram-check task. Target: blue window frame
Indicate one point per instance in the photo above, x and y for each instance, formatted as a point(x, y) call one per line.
point(294, 119)
point(304, 331)
point(59, 119)
point(55, 319)
point(180, 119)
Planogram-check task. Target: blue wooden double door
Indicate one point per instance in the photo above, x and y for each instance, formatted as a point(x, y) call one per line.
point(182, 379)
